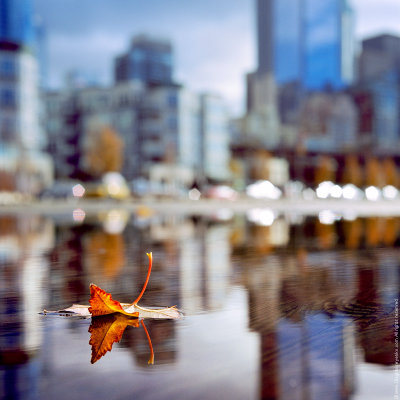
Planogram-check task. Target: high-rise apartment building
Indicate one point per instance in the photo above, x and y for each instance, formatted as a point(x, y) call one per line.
point(160, 125)
point(308, 41)
point(18, 97)
point(22, 164)
point(148, 60)
point(71, 114)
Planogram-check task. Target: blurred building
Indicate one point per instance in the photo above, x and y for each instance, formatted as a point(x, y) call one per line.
point(385, 90)
point(379, 54)
point(18, 97)
point(261, 124)
point(41, 49)
point(16, 24)
point(329, 45)
point(73, 112)
point(159, 121)
point(303, 46)
point(379, 74)
point(364, 103)
point(23, 166)
point(308, 41)
point(215, 138)
point(328, 122)
point(148, 60)
point(168, 128)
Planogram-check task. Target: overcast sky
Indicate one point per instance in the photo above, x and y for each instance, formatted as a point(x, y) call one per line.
point(214, 40)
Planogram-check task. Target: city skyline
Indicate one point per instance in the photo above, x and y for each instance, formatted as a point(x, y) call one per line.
point(223, 32)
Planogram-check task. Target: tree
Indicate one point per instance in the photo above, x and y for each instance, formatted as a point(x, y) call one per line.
point(104, 151)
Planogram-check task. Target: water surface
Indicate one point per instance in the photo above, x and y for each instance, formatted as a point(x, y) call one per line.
point(275, 308)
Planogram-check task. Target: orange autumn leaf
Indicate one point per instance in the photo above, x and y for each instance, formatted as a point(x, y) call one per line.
point(102, 303)
point(105, 331)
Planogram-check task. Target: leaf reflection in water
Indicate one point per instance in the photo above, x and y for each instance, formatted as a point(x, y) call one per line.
point(105, 330)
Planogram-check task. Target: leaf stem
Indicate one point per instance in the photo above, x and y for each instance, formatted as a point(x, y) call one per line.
point(151, 359)
point(150, 255)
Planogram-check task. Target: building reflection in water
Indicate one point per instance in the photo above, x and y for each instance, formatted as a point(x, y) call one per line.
point(23, 270)
point(328, 291)
point(318, 289)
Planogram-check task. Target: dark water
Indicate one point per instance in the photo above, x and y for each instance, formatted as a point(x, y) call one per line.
point(274, 308)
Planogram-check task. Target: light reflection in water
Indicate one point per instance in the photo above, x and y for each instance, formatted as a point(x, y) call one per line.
point(318, 297)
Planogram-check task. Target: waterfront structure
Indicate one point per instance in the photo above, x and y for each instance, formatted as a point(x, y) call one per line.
point(148, 60)
point(23, 166)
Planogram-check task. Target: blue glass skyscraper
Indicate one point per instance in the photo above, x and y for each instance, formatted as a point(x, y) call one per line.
point(307, 41)
point(287, 40)
point(328, 44)
point(16, 23)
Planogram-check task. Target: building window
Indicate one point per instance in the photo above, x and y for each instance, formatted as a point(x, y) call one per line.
point(8, 98)
point(7, 68)
point(172, 123)
point(7, 129)
point(172, 100)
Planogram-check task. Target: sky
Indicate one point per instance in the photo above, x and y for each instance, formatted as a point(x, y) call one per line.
point(214, 40)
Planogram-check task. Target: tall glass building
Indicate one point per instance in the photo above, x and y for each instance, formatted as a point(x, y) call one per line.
point(328, 44)
point(288, 40)
point(308, 41)
point(16, 21)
